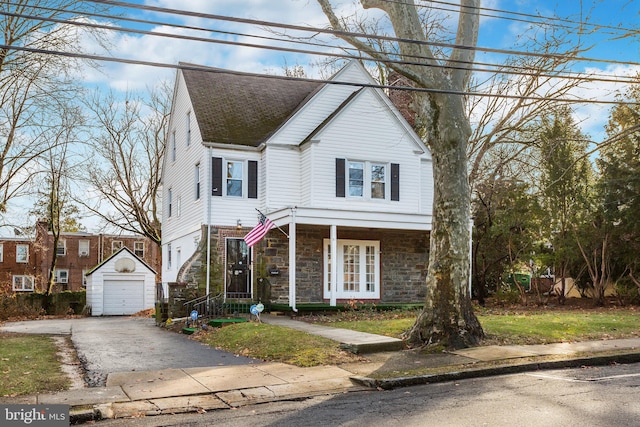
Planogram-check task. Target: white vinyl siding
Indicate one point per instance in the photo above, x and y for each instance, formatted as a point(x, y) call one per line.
point(381, 134)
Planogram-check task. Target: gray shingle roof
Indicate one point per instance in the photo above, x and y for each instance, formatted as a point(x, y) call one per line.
point(245, 109)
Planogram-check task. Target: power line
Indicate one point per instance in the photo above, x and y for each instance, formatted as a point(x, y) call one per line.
point(510, 69)
point(353, 34)
point(540, 19)
point(333, 82)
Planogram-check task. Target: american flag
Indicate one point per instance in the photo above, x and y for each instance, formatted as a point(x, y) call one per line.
point(259, 231)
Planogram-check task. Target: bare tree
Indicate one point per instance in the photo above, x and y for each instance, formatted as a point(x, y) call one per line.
point(526, 88)
point(33, 84)
point(54, 191)
point(440, 111)
point(128, 145)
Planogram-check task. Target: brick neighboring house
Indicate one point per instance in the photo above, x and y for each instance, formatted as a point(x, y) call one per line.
point(25, 261)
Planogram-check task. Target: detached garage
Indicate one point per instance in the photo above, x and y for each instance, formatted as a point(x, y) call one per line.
point(122, 284)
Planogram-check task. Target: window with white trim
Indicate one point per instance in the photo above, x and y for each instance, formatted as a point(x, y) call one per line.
point(22, 254)
point(169, 202)
point(235, 177)
point(188, 128)
point(23, 284)
point(356, 179)
point(61, 249)
point(169, 256)
point(358, 269)
point(83, 248)
point(138, 249)
point(367, 180)
point(173, 146)
point(378, 181)
point(62, 276)
point(1, 252)
point(197, 181)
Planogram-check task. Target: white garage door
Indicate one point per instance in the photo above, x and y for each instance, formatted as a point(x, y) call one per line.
point(123, 297)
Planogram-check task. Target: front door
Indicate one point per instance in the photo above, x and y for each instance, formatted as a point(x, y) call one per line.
point(238, 277)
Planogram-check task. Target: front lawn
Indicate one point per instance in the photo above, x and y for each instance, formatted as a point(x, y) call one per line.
point(29, 364)
point(520, 328)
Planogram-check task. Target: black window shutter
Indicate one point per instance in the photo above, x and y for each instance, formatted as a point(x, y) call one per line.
point(395, 181)
point(253, 179)
point(340, 187)
point(216, 176)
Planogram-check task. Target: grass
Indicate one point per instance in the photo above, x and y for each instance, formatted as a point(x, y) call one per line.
point(275, 343)
point(525, 328)
point(29, 364)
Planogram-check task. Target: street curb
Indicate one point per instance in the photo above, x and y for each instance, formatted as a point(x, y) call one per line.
point(391, 383)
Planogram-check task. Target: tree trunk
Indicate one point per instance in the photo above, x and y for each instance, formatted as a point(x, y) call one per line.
point(447, 317)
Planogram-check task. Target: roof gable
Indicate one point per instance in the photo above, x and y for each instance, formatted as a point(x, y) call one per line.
point(115, 254)
point(239, 108)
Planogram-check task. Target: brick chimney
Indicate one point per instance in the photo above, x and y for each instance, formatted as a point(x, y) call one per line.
point(402, 98)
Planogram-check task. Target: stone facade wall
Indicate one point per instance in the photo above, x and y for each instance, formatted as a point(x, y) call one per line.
point(404, 259)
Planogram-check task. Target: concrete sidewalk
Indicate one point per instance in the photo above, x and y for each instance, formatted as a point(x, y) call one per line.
point(129, 394)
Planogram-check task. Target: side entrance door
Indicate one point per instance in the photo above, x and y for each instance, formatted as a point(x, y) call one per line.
point(238, 276)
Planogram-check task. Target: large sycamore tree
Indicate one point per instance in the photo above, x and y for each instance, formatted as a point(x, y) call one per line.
point(439, 106)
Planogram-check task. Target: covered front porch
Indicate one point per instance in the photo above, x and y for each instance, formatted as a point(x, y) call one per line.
point(378, 257)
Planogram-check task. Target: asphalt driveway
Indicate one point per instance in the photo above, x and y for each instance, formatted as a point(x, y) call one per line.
point(122, 344)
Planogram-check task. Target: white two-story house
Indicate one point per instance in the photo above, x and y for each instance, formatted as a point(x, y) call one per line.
point(334, 165)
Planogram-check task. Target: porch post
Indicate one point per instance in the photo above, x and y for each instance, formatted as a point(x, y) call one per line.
point(334, 264)
point(292, 261)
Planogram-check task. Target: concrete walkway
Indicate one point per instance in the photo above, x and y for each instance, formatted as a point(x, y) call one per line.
point(129, 394)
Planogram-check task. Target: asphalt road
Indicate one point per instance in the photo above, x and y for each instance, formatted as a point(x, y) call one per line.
point(583, 397)
point(123, 344)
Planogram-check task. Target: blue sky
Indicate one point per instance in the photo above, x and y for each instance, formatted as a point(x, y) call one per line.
point(605, 24)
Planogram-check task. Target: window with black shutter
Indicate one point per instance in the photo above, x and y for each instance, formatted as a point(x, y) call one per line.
point(216, 178)
point(340, 183)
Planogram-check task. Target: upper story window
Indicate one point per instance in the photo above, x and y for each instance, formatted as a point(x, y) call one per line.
point(116, 245)
point(188, 129)
point(356, 179)
point(169, 256)
point(1, 252)
point(235, 177)
point(367, 180)
point(61, 250)
point(22, 253)
point(378, 181)
point(23, 283)
point(138, 249)
point(83, 248)
point(197, 181)
point(169, 202)
point(173, 146)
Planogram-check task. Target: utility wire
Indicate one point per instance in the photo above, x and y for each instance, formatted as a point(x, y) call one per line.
point(504, 69)
point(333, 82)
point(354, 34)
